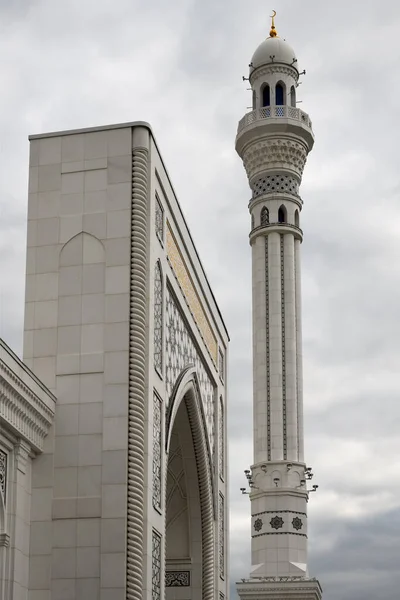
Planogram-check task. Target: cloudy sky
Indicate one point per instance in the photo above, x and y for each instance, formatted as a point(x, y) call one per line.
point(178, 65)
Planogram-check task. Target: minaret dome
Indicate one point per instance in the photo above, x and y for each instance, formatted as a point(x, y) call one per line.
point(274, 72)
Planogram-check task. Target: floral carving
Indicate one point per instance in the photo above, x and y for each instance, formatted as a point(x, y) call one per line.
point(258, 524)
point(276, 522)
point(270, 155)
point(297, 523)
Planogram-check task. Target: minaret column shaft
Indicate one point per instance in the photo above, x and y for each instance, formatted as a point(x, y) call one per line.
point(274, 315)
point(299, 350)
point(289, 366)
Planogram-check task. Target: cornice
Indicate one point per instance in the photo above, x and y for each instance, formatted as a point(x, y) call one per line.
point(22, 411)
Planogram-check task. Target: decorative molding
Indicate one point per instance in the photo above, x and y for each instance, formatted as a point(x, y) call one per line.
point(156, 565)
point(281, 228)
point(137, 374)
point(157, 451)
point(272, 70)
point(280, 533)
point(158, 317)
point(185, 281)
point(267, 341)
point(284, 404)
point(22, 410)
point(3, 474)
point(181, 352)
point(4, 540)
point(274, 512)
point(275, 153)
point(177, 579)
point(221, 535)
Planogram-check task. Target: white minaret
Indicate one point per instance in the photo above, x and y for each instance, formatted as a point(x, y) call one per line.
point(273, 141)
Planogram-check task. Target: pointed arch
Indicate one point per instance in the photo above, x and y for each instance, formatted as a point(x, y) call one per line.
point(266, 95)
point(187, 390)
point(292, 96)
point(254, 99)
point(296, 218)
point(82, 249)
point(282, 214)
point(264, 216)
point(280, 94)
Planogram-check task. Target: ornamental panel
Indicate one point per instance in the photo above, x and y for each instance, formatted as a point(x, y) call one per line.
point(181, 353)
point(221, 529)
point(221, 440)
point(3, 474)
point(177, 579)
point(158, 318)
point(185, 281)
point(156, 566)
point(159, 220)
point(157, 450)
point(275, 183)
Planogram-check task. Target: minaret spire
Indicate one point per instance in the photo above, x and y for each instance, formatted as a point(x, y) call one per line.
point(273, 33)
point(273, 140)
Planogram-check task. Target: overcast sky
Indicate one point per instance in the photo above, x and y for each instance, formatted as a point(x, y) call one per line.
point(179, 65)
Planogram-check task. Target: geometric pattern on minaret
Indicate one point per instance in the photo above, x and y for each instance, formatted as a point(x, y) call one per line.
point(273, 140)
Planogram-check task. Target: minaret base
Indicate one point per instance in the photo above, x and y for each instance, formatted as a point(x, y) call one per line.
point(279, 588)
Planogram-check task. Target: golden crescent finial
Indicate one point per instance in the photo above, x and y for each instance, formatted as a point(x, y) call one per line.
point(273, 32)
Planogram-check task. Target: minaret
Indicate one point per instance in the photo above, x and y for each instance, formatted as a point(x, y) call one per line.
point(273, 141)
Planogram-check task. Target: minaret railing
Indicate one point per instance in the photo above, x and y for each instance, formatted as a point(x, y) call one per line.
point(273, 112)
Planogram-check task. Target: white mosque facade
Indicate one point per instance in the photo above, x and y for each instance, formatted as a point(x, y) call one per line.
point(119, 490)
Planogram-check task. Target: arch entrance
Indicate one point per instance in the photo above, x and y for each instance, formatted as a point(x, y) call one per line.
point(189, 527)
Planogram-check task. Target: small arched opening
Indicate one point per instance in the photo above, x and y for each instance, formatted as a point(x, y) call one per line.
point(254, 99)
point(280, 94)
point(266, 95)
point(282, 214)
point(296, 218)
point(292, 96)
point(264, 216)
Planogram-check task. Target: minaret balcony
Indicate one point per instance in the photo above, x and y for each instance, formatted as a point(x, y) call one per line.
point(274, 120)
point(275, 112)
point(281, 228)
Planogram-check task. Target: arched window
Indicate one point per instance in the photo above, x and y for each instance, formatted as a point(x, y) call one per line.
point(158, 317)
point(266, 95)
point(264, 216)
point(282, 214)
point(280, 95)
point(252, 222)
point(296, 218)
point(292, 96)
point(254, 99)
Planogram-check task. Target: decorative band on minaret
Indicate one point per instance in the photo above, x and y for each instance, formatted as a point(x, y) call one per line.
point(273, 140)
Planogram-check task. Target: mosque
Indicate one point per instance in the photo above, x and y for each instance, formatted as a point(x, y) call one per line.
point(113, 438)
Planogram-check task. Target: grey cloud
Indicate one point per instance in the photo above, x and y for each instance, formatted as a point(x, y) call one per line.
point(179, 65)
